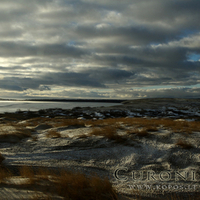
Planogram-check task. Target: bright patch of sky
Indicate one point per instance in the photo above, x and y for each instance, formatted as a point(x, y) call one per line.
point(194, 57)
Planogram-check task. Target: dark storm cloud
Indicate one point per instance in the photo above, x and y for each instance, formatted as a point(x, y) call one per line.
point(11, 49)
point(133, 35)
point(43, 82)
point(177, 15)
point(108, 75)
point(99, 44)
point(71, 79)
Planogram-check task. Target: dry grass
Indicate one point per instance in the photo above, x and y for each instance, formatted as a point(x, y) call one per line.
point(41, 197)
point(27, 172)
point(34, 138)
point(74, 185)
point(2, 158)
point(119, 123)
point(68, 122)
point(142, 132)
point(152, 124)
point(70, 185)
point(7, 131)
point(108, 132)
point(184, 144)
point(79, 186)
point(23, 133)
point(151, 128)
point(83, 136)
point(53, 134)
point(4, 173)
point(175, 196)
point(34, 121)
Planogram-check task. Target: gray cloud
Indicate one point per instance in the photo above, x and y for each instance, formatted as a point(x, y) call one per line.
point(100, 47)
point(11, 49)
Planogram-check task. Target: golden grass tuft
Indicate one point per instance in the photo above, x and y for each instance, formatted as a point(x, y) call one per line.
point(70, 185)
point(68, 122)
point(34, 138)
point(151, 128)
point(53, 134)
point(4, 173)
point(23, 133)
point(27, 172)
point(79, 186)
point(142, 132)
point(109, 132)
point(184, 144)
point(2, 158)
point(7, 132)
point(34, 121)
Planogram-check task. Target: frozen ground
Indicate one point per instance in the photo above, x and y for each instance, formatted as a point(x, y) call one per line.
point(166, 166)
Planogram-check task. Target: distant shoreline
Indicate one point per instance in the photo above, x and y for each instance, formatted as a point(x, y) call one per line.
point(71, 100)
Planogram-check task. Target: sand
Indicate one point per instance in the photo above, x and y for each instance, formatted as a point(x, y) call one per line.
point(166, 166)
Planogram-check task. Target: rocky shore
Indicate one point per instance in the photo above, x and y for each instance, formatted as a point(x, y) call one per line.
point(147, 148)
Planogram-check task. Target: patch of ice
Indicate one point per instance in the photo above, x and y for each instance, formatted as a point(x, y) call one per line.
point(82, 118)
point(180, 120)
point(97, 114)
point(62, 114)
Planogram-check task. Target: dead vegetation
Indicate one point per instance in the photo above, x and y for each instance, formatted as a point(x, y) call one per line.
point(141, 132)
point(83, 136)
point(79, 186)
point(27, 172)
point(4, 173)
point(151, 125)
point(53, 134)
point(67, 184)
point(2, 158)
point(34, 138)
point(69, 122)
point(120, 123)
point(108, 132)
point(109, 127)
point(184, 144)
point(72, 185)
point(10, 132)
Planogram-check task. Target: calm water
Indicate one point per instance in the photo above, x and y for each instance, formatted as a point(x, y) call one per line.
point(13, 106)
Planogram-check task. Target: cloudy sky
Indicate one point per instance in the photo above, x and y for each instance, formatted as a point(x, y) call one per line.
point(99, 48)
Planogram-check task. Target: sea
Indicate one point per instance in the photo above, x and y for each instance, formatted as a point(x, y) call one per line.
point(13, 106)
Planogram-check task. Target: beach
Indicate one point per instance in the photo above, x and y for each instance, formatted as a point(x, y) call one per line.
point(147, 148)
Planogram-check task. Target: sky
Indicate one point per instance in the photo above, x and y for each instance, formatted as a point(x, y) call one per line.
point(113, 49)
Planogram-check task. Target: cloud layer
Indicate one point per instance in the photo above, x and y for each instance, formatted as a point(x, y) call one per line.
point(99, 49)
